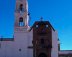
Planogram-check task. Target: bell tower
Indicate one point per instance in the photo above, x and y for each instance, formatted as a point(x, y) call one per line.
point(22, 37)
point(21, 15)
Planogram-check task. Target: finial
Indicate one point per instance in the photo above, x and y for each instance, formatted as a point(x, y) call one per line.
point(41, 19)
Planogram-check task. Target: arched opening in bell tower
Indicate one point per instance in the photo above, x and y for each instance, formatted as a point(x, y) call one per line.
point(21, 7)
point(21, 23)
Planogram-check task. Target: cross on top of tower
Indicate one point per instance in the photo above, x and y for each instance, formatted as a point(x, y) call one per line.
point(41, 19)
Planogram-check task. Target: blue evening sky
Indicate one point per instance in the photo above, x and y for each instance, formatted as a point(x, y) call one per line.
point(58, 12)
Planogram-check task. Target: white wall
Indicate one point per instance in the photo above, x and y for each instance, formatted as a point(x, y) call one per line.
point(30, 39)
point(21, 41)
point(6, 49)
point(54, 52)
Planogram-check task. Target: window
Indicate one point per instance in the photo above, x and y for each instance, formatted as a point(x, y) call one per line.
point(21, 7)
point(21, 23)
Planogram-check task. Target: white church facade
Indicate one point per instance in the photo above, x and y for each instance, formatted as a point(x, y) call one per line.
point(40, 40)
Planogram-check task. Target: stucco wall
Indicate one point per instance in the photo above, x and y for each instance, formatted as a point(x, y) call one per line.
point(18, 47)
point(6, 49)
point(54, 52)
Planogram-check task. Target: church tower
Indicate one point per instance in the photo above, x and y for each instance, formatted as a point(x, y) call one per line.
point(45, 40)
point(21, 15)
point(22, 37)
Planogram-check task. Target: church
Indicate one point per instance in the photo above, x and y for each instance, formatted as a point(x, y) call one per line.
point(40, 40)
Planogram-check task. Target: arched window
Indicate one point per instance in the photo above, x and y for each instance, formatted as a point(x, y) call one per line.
point(21, 19)
point(21, 23)
point(21, 7)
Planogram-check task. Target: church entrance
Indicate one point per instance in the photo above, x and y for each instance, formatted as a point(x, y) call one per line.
point(42, 55)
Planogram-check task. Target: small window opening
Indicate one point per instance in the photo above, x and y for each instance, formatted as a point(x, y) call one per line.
point(36, 26)
point(47, 26)
point(21, 7)
point(21, 23)
point(19, 49)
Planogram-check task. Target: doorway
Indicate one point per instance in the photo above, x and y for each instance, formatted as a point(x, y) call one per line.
point(42, 55)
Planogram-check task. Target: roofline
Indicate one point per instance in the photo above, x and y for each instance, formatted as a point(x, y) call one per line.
point(42, 21)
